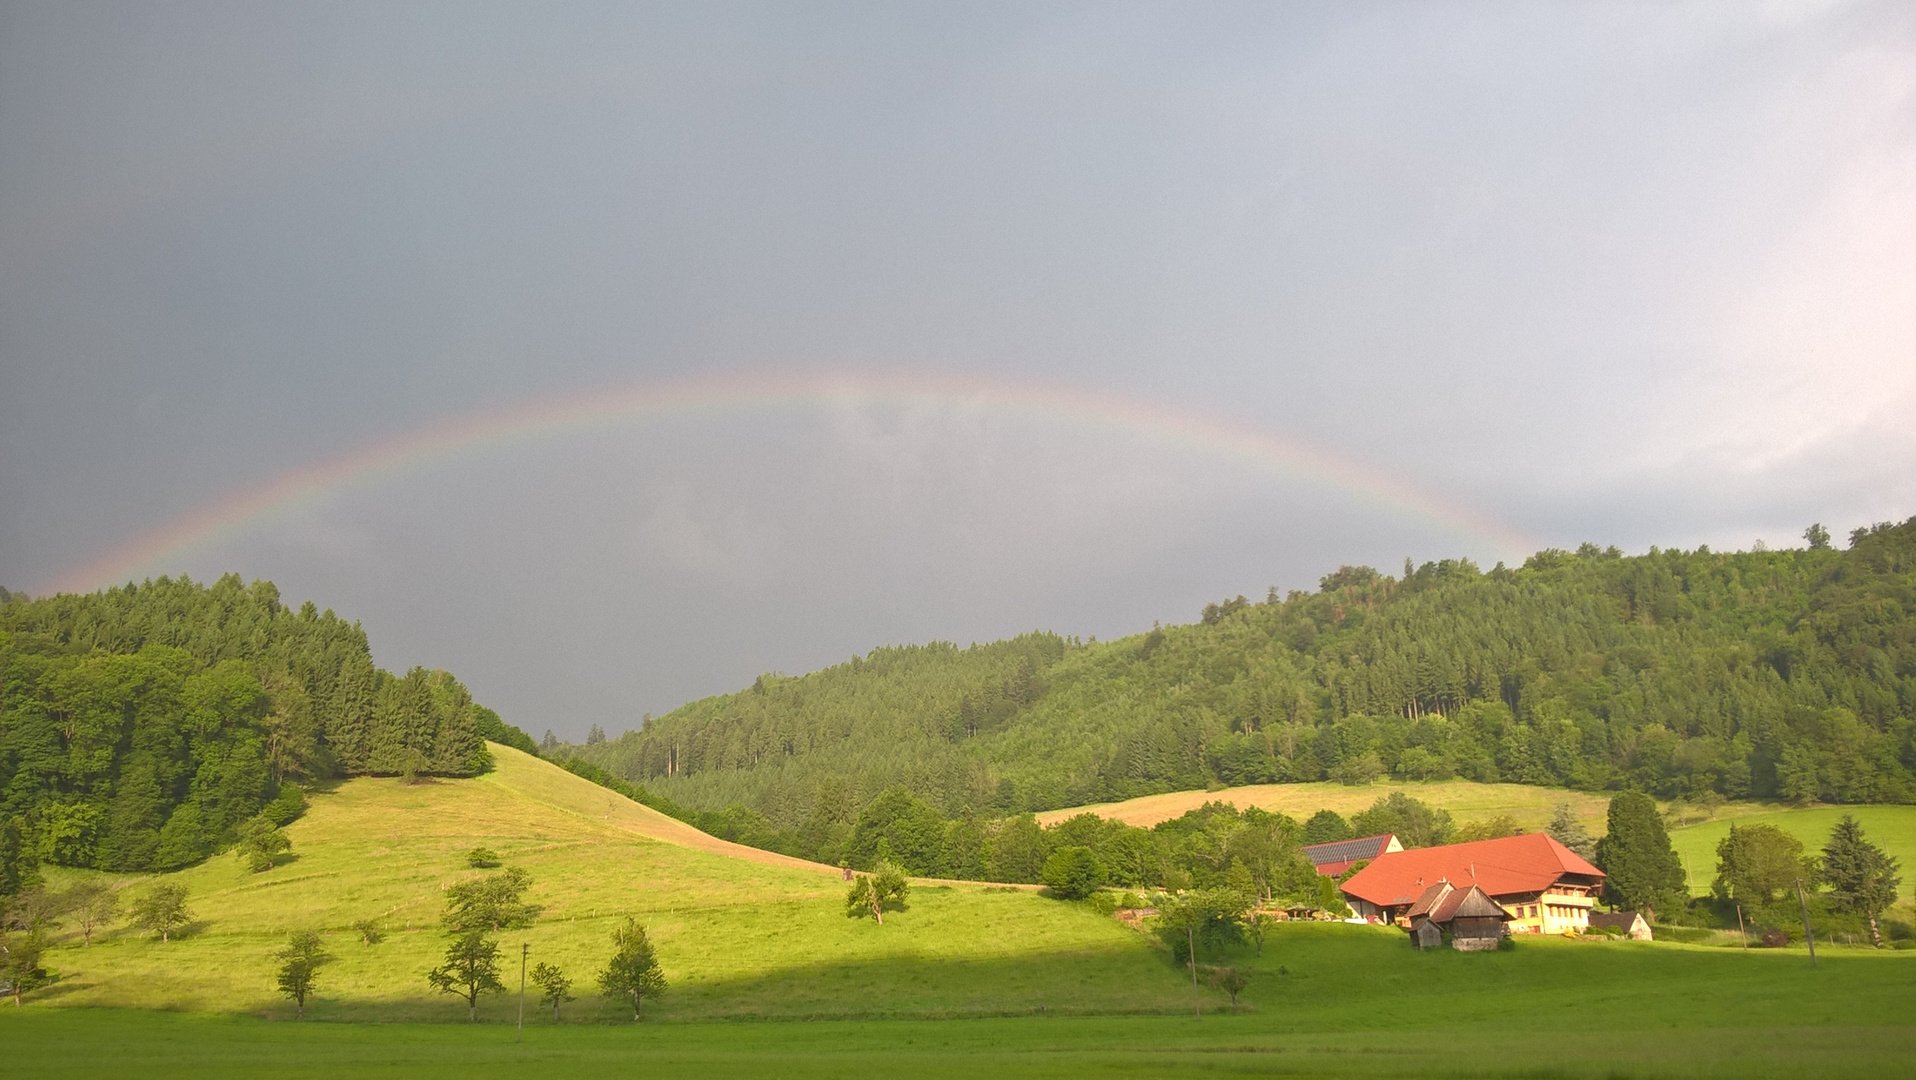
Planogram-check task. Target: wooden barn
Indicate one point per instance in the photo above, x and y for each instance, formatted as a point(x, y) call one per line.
point(1473, 921)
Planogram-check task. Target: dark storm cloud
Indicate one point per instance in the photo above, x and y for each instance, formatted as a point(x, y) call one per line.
point(1638, 275)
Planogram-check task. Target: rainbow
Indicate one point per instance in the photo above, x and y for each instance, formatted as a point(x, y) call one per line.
point(450, 438)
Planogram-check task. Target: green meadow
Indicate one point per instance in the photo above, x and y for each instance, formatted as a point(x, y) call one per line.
point(768, 978)
point(1892, 828)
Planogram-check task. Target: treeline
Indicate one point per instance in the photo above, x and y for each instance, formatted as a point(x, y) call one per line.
point(141, 726)
point(1784, 674)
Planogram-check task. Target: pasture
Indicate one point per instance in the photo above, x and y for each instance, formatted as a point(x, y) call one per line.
point(1466, 800)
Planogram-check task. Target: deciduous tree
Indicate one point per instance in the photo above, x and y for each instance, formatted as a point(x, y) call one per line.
point(162, 910)
point(471, 969)
point(633, 972)
point(875, 893)
point(299, 964)
point(493, 902)
point(260, 844)
point(1758, 865)
point(554, 987)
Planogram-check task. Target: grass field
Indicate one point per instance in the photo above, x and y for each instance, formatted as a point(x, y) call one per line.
point(1893, 828)
point(1465, 799)
point(1325, 1000)
point(754, 935)
point(972, 979)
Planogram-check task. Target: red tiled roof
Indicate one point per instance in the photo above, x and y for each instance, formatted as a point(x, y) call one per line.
point(1511, 866)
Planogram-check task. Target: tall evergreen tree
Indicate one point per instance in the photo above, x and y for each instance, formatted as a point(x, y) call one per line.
point(1862, 878)
point(1642, 871)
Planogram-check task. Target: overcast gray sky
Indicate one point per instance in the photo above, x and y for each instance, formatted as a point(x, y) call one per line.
point(1637, 275)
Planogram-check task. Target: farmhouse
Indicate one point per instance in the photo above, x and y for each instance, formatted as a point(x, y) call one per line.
point(1544, 887)
point(1337, 856)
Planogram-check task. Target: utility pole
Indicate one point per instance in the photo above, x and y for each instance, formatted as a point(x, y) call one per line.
point(1190, 943)
point(1740, 932)
point(524, 948)
point(1803, 906)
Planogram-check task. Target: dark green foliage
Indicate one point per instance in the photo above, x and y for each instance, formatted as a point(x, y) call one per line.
point(368, 931)
point(1759, 865)
point(1416, 823)
point(1073, 873)
point(1210, 919)
point(20, 956)
point(1862, 878)
point(482, 858)
point(471, 968)
point(1327, 826)
point(260, 844)
point(299, 964)
point(141, 726)
point(19, 868)
point(632, 974)
point(555, 987)
point(1763, 674)
point(491, 728)
point(493, 902)
point(1644, 873)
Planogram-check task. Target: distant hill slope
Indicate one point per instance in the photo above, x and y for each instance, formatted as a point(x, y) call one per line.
point(739, 932)
point(1763, 674)
point(1465, 800)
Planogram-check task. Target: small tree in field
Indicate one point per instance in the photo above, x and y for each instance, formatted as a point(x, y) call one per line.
point(299, 964)
point(471, 969)
point(633, 973)
point(260, 845)
point(94, 905)
point(1232, 981)
point(554, 987)
point(876, 893)
point(20, 961)
point(162, 910)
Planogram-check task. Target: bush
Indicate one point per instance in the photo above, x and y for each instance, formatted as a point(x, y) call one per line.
point(1073, 873)
point(481, 858)
point(286, 807)
point(1102, 902)
point(1774, 938)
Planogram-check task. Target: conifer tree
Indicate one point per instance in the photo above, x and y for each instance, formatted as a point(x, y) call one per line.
point(1642, 869)
point(1862, 878)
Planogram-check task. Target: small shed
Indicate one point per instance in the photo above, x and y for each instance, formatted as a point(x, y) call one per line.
point(1632, 923)
point(1476, 921)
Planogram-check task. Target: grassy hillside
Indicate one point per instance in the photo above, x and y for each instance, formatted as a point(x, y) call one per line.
point(1764, 675)
point(1893, 828)
point(1466, 800)
point(759, 935)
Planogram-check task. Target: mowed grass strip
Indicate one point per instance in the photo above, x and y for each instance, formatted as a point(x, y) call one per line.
point(736, 936)
point(161, 1045)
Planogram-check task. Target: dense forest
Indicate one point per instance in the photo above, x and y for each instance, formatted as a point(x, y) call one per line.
point(1787, 674)
point(140, 726)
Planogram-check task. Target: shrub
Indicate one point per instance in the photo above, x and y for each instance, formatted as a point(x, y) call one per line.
point(1073, 873)
point(1774, 938)
point(481, 858)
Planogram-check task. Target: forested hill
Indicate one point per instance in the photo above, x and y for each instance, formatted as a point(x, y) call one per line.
point(1771, 674)
point(140, 726)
